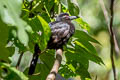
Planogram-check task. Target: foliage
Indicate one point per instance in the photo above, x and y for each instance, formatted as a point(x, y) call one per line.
point(22, 24)
point(12, 73)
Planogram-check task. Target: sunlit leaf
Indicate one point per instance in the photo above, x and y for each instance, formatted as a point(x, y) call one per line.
point(73, 8)
point(41, 31)
point(84, 36)
point(11, 15)
point(83, 24)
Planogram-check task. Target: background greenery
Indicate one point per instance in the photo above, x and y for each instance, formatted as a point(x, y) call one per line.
point(25, 22)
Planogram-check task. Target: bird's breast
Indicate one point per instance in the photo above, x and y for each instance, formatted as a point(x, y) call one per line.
point(61, 32)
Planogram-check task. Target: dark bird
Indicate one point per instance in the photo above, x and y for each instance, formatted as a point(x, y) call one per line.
point(62, 29)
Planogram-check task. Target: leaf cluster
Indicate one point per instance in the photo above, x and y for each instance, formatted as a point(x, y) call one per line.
point(25, 23)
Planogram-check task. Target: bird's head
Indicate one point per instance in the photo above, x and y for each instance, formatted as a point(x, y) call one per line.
point(65, 17)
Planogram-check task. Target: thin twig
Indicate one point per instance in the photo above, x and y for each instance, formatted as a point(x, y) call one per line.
point(104, 11)
point(31, 6)
point(113, 41)
point(116, 48)
point(59, 7)
point(96, 77)
point(19, 60)
point(56, 65)
point(47, 12)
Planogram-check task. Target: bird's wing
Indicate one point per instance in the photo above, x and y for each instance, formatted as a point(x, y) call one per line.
point(59, 31)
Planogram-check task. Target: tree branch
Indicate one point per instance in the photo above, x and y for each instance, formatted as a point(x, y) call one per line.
point(112, 38)
point(56, 65)
point(105, 12)
point(116, 48)
point(113, 41)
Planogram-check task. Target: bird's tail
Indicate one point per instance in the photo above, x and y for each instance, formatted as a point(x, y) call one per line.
point(33, 63)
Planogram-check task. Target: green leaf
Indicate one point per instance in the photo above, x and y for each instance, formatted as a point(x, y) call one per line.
point(64, 3)
point(25, 60)
point(13, 73)
point(87, 45)
point(83, 24)
point(10, 14)
point(44, 66)
point(5, 52)
point(66, 71)
point(84, 36)
point(23, 37)
point(83, 42)
point(41, 31)
point(82, 71)
point(79, 54)
point(88, 55)
point(49, 4)
point(73, 8)
point(79, 59)
point(79, 63)
point(46, 28)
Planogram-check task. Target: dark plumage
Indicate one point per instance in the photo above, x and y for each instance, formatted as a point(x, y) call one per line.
point(62, 29)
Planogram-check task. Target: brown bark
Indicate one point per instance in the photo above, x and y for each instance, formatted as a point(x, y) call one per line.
point(56, 65)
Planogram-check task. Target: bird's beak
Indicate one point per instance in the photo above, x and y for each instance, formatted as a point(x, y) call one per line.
point(73, 17)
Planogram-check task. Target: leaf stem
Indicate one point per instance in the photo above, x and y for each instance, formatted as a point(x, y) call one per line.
point(36, 5)
point(59, 7)
point(19, 60)
point(47, 12)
